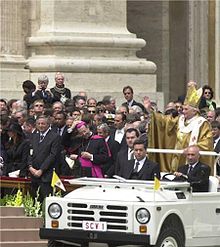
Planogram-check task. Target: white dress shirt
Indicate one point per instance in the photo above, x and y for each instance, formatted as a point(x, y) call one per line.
point(119, 133)
point(141, 163)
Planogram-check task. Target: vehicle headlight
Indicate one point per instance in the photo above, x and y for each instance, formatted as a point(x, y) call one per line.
point(55, 210)
point(142, 215)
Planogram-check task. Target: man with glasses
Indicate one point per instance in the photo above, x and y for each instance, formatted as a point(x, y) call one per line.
point(39, 107)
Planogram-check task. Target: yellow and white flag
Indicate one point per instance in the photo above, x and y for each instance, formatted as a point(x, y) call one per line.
point(156, 183)
point(56, 181)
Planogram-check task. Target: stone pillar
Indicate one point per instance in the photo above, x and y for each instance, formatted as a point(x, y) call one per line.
point(217, 52)
point(89, 42)
point(12, 54)
point(198, 42)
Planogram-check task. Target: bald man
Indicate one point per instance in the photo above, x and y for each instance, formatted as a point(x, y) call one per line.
point(194, 172)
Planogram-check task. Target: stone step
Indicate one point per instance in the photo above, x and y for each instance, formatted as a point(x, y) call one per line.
point(11, 211)
point(19, 235)
point(11, 222)
point(24, 244)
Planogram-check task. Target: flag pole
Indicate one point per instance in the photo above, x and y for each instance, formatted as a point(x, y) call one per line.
point(154, 187)
point(54, 187)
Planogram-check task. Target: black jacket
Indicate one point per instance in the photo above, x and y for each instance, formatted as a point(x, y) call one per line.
point(114, 147)
point(123, 143)
point(147, 172)
point(135, 103)
point(198, 176)
point(17, 157)
point(57, 95)
point(45, 154)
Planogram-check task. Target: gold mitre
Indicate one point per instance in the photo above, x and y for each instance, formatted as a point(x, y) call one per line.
point(193, 96)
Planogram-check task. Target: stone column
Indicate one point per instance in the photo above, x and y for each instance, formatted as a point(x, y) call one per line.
point(89, 42)
point(12, 53)
point(217, 57)
point(198, 42)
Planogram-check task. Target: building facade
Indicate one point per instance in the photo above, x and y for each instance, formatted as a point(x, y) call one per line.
point(103, 45)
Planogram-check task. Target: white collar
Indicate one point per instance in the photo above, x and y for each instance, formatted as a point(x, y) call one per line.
point(193, 165)
point(130, 103)
point(45, 132)
point(141, 162)
point(107, 138)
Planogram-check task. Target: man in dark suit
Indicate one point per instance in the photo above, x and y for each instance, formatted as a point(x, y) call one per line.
point(60, 123)
point(126, 153)
point(216, 135)
point(42, 92)
point(195, 172)
point(60, 128)
point(118, 131)
point(216, 141)
point(128, 94)
point(104, 131)
point(43, 156)
point(141, 168)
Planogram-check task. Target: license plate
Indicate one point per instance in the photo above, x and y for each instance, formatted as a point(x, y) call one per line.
point(94, 226)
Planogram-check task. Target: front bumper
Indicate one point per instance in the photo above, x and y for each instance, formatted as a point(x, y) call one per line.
point(79, 236)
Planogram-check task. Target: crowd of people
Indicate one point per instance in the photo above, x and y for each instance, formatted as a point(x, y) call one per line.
point(79, 136)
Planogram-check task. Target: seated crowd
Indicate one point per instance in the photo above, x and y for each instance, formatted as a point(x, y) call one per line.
point(49, 127)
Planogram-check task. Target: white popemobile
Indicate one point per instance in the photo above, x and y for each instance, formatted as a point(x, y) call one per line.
point(121, 212)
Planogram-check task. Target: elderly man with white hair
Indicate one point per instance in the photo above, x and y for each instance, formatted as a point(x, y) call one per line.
point(59, 91)
point(180, 132)
point(42, 92)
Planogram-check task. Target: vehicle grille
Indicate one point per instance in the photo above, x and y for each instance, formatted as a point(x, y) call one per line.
point(116, 216)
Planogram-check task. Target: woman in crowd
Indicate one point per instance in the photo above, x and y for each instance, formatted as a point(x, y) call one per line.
point(207, 99)
point(17, 151)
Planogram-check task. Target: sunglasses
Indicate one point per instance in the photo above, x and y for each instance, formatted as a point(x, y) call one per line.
point(39, 105)
point(91, 111)
point(207, 93)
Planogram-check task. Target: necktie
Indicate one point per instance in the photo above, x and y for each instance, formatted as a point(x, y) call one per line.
point(189, 169)
point(41, 137)
point(44, 94)
point(136, 167)
point(59, 131)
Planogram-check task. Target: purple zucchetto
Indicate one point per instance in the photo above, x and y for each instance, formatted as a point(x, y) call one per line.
point(80, 124)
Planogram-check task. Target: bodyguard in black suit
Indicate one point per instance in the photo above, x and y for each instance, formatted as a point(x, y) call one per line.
point(195, 172)
point(141, 167)
point(46, 148)
point(216, 142)
point(126, 153)
point(60, 128)
point(216, 135)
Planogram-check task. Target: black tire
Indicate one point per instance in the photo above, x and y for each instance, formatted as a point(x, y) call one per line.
point(53, 243)
point(170, 235)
